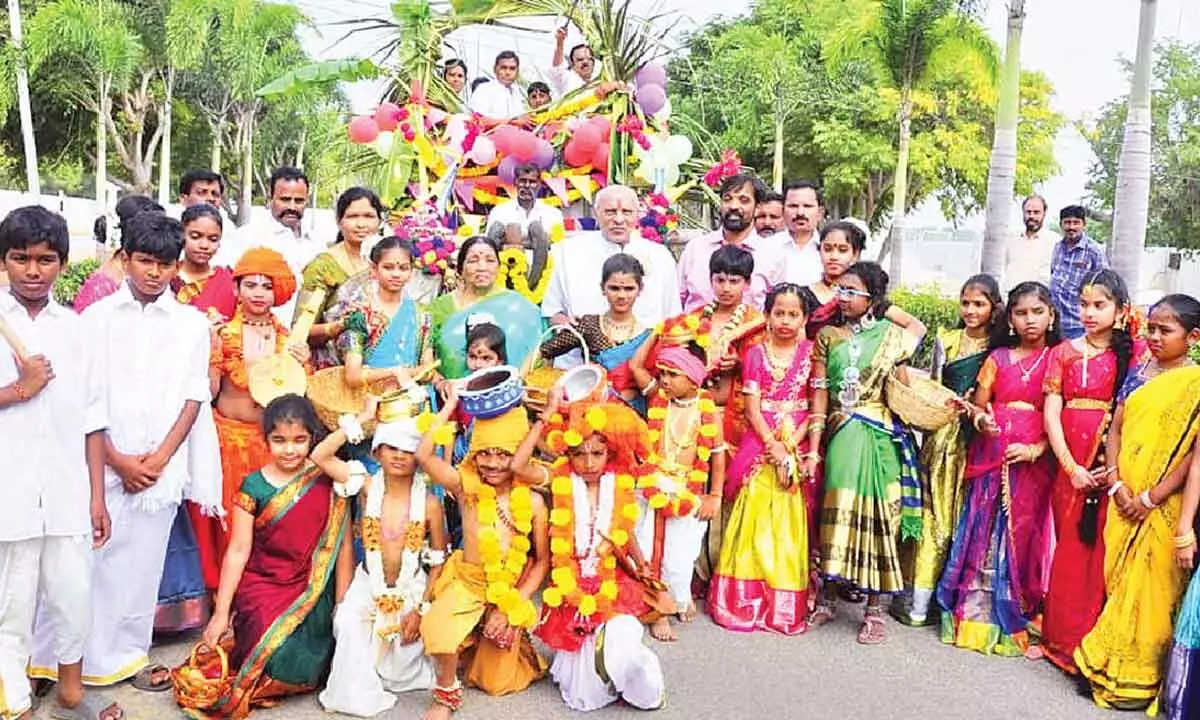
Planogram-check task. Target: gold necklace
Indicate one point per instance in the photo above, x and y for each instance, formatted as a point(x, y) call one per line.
point(609, 328)
point(778, 368)
point(672, 442)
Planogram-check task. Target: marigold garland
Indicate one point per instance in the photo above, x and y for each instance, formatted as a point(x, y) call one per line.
point(514, 273)
point(682, 499)
point(503, 569)
point(564, 574)
point(587, 101)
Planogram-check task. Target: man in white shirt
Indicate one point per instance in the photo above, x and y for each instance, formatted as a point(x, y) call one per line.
point(803, 212)
point(577, 69)
point(740, 195)
point(1028, 256)
point(150, 353)
point(284, 233)
point(200, 187)
point(526, 222)
point(501, 99)
point(52, 508)
point(575, 280)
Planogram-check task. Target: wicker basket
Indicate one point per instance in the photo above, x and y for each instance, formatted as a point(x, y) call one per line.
point(332, 397)
point(204, 678)
point(540, 377)
point(922, 402)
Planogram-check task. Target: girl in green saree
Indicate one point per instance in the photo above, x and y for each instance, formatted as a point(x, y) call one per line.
point(958, 355)
point(872, 492)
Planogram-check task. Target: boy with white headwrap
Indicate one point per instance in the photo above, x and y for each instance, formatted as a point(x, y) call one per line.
point(378, 622)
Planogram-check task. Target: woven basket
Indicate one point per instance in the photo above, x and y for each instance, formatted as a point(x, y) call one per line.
point(540, 377)
point(921, 402)
point(332, 397)
point(204, 678)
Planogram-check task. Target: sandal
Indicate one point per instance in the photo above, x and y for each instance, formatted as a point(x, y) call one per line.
point(144, 679)
point(873, 630)
point(824, 613)
point(93, 706)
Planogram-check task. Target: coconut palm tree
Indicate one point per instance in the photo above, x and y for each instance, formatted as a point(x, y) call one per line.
point(99, 35)
point(909, 42)
point(17, 62)
point(1131, 204)
point(1002, 170)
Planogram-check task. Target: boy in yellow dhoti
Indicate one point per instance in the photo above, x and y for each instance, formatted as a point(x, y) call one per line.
point(481, 610)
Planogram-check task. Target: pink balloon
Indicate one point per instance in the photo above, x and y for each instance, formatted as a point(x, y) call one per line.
point(545, 155)
point(504, 137)
point(651, 98)
point(435, 116)
point(387, 116)
point(651, 74)
point(507, 170)
point(588, 137)
point(483, 152)
point(363, 130)
point(602, 123)
point(525, 146)
point(601, 157)
point(576, 156)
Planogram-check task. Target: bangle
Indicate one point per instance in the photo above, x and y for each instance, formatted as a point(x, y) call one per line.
point(1186, 540)
point(1146, 500)
point(1115, 487)
point(19, 389)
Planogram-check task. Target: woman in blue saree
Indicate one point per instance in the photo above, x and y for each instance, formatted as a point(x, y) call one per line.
point(613, 338)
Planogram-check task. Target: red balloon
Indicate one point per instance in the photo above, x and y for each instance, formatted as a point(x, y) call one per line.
point(600, 158)
point(387, 116)
point(363, 130)
point(576, 155)
point(588, 137)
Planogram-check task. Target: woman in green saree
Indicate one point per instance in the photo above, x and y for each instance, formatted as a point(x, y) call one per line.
point(958, 355)
point(872, 492)
point(478, 294)
point(286, 567)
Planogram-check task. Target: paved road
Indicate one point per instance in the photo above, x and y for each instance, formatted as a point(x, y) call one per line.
point(716, 675)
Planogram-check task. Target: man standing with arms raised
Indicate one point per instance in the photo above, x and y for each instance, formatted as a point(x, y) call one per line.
point(740, 195)
point(803, 213)
point(577, 69)
point(1028, 255)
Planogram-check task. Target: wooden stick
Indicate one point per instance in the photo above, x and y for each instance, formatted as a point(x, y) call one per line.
point(13, 341)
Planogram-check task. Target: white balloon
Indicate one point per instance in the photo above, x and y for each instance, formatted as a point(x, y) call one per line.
point(678, 149)
point(671, 177)
point(384, 143)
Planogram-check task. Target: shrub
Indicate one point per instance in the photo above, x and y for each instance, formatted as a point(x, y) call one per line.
point(71, 279)
point(932, 308)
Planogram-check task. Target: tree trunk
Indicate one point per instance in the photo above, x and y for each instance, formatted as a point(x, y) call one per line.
point(1131, 206)
point(300, 150)
point(164, 163)
point(777, 175)
point(105, 109)
point(900, 190)
point(215, 164)
point(32, 180)
point(1002, 171)
point(246, 199)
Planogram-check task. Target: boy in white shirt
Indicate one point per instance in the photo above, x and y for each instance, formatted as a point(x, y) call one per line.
point(52, 511)
point(150, 354)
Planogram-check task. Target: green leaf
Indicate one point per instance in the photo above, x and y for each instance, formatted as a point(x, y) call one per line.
point(321, 73)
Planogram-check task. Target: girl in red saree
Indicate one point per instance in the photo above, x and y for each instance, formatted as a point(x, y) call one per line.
point(211, 290)
point(1081, 381)
point(286, 567)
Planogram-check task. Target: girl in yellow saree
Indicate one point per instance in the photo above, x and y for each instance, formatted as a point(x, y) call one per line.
point(1151, 451)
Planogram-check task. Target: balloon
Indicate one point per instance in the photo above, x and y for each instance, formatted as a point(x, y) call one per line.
point(677, 150)
point(507, 171)
point(575, 155)
point(504, 137)
point(651, 98)
point(651, 74)
point(483, 152)
point(524, 146)
point(520, 320)
point(588, 138)
point(387, 116)
point(384, 143)
point(544, 158)
point(434, 116)
point(363, 130)
point(601, 157)
point(602, 124)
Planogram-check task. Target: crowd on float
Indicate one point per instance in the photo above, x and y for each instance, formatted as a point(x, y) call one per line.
point(719, 439)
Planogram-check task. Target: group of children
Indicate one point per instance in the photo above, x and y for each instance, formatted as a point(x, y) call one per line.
point(741, 460)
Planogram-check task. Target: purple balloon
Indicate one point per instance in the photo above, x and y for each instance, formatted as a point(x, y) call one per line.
point(544, 158)
point(651, 74)
point(507, 170)
point(651, 98)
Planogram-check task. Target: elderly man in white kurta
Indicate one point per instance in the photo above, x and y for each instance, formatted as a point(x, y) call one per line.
point(150, 353)
point(51, 506)
point(575, 283)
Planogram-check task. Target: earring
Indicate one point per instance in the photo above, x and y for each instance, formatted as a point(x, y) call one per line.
point(1011, 330)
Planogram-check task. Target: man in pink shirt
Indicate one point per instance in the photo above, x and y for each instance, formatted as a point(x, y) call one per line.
point(740, 196)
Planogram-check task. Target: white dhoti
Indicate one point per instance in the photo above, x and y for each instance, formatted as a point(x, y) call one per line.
point(50, 576)
point(622, 668)
point(682, 540)
point(353, 688)
point(125, 577)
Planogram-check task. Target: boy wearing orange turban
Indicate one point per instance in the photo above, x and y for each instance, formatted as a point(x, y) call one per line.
point(263, 281)
point(482, 610)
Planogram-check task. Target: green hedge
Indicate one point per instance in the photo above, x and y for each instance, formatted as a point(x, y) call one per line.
point(932, 308)
point(71, 279)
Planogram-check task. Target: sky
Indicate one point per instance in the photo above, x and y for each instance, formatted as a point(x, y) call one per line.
point(1077, 43)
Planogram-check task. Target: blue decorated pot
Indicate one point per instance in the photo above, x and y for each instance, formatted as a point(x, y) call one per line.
point(491, 392)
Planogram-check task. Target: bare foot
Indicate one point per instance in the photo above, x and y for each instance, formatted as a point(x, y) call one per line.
point(689, 614)
point(662, 631)
point(437, 711)
point(1035, 652)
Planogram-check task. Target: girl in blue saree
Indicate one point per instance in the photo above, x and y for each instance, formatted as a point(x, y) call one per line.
point(613, 338)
